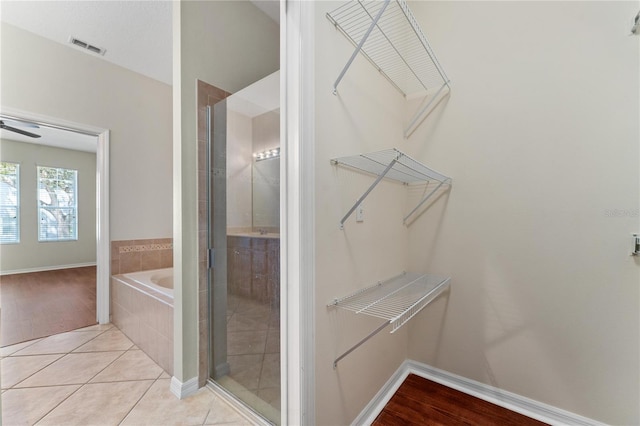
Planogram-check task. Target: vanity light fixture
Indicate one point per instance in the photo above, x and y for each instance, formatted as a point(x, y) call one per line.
point(267, 154)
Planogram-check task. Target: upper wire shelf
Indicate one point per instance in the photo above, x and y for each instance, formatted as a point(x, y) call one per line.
point(395, 165)
point(396, 301)
point(388, 35)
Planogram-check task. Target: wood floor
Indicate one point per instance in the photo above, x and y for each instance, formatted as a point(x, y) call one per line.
point(420, 401)
point(40, 304)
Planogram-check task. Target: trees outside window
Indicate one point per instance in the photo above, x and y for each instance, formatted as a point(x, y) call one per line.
point(57, 204)
point(9, 203)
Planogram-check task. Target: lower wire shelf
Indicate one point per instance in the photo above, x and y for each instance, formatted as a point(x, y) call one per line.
point(395, 300)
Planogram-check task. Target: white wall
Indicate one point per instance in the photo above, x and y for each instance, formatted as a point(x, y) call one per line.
point(228, 44)
point(30, 254)
point(61, 82)
point(541, 136)
point(239, 161)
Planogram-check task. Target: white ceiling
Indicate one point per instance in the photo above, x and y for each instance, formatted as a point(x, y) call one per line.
point(137, 35)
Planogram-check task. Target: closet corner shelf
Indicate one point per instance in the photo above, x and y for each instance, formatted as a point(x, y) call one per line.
point(394, 165)
point(389, 37)
point(395, 300)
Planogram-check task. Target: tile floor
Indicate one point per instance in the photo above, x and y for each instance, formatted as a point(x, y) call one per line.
point(253, 349)
point(96, 376)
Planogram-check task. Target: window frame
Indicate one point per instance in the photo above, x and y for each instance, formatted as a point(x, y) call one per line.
point(74, 208)
point(17, 206)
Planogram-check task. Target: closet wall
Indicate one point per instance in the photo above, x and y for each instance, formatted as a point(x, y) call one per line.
point(366, 115)
point(541, 136)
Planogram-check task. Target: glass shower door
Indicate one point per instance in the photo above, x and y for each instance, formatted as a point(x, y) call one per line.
point(244, 282)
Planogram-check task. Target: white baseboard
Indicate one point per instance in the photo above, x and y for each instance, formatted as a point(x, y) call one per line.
point(46, 268)
point(183, 390)
point(520, 404)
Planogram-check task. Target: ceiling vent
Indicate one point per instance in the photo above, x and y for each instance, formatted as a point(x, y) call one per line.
point(87, 46)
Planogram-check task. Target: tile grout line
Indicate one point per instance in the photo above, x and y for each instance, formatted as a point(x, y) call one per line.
point(140, 399)
point(32, 343)
point(80, 386)
point(62, 355)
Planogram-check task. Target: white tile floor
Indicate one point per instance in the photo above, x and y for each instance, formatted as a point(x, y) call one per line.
point(96, 376)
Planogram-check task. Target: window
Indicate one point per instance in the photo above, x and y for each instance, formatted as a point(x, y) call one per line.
point(57, 204)
point(9, 203)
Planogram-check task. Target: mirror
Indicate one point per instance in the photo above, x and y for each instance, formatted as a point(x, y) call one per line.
point(253, 159)
point(266, 173)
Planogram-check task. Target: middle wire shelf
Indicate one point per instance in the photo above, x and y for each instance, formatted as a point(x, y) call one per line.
point(396, 300)
point(394, 165)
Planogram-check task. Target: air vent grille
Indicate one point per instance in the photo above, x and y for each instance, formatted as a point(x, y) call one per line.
point(87, 46)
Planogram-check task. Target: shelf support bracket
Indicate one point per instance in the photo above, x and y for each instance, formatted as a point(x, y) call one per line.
point(359, 47)
point(424, 200)
point(357, 345)
point(426, 110)
point(373, 185)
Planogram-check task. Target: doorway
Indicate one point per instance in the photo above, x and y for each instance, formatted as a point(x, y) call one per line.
point(100, 137)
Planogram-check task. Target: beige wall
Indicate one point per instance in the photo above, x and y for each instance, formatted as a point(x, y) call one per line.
point(30, 254)
point(229, 44)
point(61, 82)
point(541, 137)
point(365, 116)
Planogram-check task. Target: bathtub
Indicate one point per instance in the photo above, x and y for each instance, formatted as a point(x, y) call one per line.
point(159, 280)
point(142, 308)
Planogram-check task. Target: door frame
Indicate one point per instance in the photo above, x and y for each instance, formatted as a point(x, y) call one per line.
point(297, 211)
point(103, 250)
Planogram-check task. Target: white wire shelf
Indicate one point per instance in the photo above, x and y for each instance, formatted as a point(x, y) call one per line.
point(387, 34)
point(394, 165)
point(396, 301)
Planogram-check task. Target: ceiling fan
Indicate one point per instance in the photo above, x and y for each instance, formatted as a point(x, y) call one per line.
point(20, 131)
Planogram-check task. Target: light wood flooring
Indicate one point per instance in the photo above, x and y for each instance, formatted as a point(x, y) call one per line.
point(40, 304)
point(420, 401)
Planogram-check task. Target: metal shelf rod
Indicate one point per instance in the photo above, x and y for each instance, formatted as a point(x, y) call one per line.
point(398, 167)
point(424, 200)
point(424, 112)
point(396, 301)
point(373, 185)
point(357, 345)
point(359, 47)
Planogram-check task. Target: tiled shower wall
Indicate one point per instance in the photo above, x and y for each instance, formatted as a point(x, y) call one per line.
point(141, 255)
point(208, 95)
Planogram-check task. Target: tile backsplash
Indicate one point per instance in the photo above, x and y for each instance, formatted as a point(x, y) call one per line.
point(141, 255)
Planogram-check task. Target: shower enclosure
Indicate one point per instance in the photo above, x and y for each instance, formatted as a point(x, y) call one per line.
point(243, 211)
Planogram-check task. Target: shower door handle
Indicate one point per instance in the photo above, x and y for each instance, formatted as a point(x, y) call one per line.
point(211, 258)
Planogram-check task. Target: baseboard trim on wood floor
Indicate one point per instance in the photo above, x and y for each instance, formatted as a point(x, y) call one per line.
point(511, 401)
point(46, 268)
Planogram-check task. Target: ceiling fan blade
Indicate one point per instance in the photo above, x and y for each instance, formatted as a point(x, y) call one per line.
point(17, 123)
point(22, 132)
